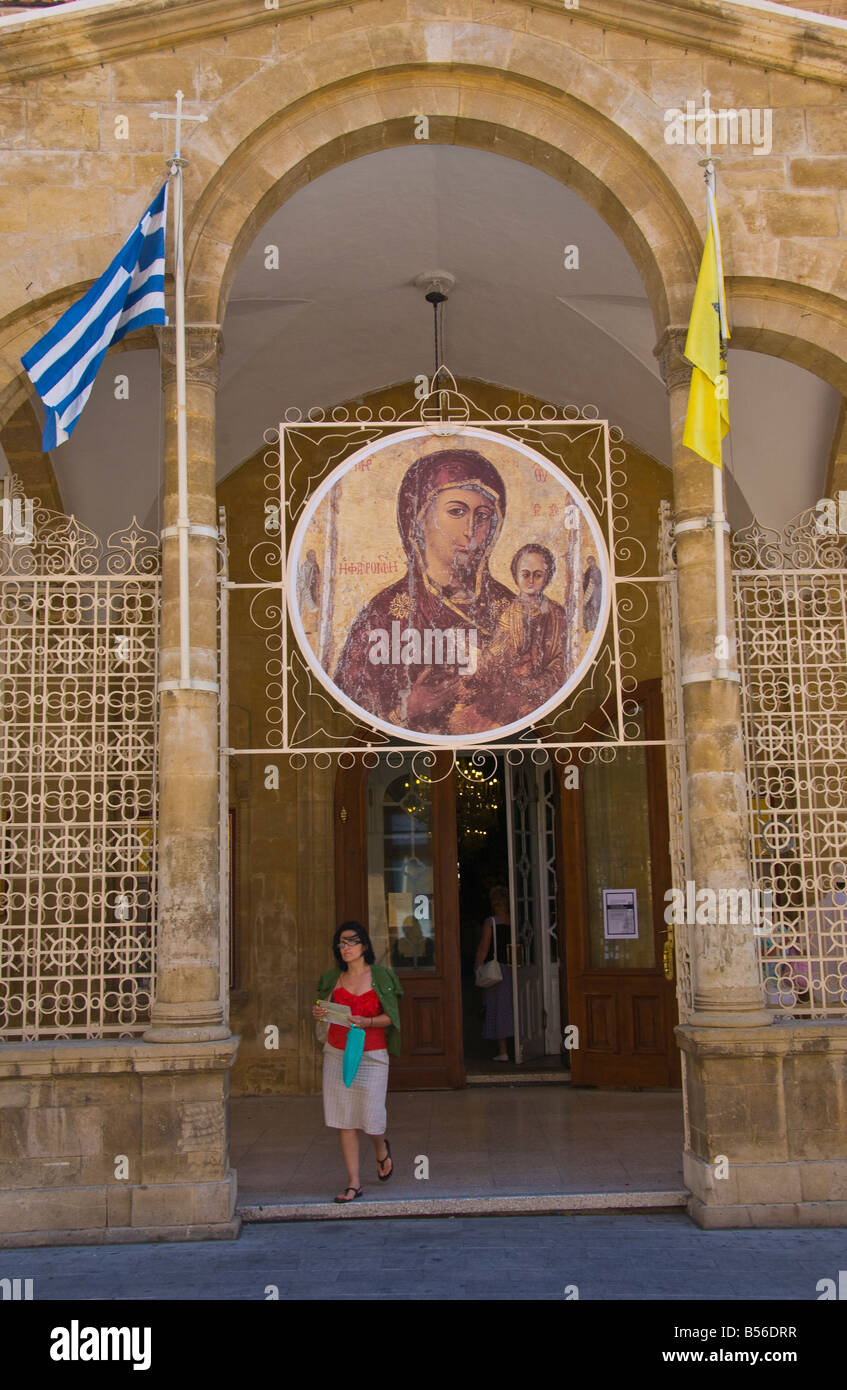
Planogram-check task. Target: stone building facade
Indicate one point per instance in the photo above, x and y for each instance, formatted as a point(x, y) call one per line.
point(579, 93)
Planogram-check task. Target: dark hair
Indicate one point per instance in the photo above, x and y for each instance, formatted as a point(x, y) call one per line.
point(535, 550)
point(366, 941)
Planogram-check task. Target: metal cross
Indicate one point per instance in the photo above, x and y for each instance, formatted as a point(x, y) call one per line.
point(179, 118)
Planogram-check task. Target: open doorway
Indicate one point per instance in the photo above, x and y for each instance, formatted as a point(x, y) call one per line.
point(418, 848)
point(506, 832)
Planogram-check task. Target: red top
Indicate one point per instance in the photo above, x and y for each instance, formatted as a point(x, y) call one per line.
point(365, 1005)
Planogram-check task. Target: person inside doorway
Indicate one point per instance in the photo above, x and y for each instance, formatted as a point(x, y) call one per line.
point(499, 1022)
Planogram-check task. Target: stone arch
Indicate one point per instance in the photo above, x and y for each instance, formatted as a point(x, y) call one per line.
point(534, 123)
point(796, 322)
point(527, 96)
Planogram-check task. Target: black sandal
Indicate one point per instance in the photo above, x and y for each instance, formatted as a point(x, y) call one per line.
point(357, 1192)
point(383, 1177)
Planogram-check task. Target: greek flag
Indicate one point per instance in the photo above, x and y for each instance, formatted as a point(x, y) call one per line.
point(63, 364)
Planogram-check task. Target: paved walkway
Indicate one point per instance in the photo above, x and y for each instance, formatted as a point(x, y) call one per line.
point(484, 1142)
point(630, 1257)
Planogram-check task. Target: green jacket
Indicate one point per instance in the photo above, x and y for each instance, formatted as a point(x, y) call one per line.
point(388, 991)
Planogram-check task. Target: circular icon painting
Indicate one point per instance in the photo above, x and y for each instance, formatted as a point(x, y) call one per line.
point(448, 589)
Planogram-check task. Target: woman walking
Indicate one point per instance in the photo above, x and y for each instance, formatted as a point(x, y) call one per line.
point(493, 945)
point(371, 992)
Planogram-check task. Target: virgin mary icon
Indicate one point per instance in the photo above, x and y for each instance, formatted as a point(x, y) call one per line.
point(450, 596)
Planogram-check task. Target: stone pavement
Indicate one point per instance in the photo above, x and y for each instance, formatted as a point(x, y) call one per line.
point(628, 1256)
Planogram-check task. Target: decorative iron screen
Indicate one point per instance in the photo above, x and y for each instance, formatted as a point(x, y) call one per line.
point(78, 661)
point(791, 619)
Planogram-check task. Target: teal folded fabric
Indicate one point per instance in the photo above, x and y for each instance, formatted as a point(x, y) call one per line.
point(353, 1049)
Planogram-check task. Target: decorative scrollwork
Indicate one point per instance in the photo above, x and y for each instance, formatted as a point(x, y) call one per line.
point(51, 543)
point(807, 543)
point(480, 765)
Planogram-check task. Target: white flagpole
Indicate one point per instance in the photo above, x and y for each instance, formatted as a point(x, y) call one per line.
point(719, 523)
point(177, 164)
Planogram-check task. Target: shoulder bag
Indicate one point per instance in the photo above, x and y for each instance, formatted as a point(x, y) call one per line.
point(489, 973)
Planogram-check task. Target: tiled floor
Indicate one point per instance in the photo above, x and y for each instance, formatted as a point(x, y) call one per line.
point(484, 1141)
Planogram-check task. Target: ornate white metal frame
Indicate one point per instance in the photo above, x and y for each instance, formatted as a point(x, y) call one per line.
point(302, 720)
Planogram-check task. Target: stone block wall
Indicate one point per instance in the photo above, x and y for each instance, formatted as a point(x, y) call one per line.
point(115, 1140)
point(772, 1103)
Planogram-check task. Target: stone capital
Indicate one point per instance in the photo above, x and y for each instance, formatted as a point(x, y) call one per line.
point(675, 368)
point(204, 347)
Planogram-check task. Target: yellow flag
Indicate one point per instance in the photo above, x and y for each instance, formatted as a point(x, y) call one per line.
point(707, 420)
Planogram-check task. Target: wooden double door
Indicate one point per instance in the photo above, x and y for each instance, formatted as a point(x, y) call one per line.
point(587, 864)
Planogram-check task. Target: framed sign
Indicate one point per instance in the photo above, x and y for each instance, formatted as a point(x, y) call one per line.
point(448, 588)
point(620, 914)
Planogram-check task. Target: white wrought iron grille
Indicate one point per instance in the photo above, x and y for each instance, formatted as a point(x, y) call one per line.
point(78, 660)
point(791, 616)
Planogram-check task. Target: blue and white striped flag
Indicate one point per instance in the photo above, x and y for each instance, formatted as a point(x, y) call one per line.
point(63, 364)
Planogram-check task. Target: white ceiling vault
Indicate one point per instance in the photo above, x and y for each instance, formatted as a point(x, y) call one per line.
point(340, 316)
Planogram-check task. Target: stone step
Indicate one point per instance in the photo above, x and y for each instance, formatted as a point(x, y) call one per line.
point(466, 1206)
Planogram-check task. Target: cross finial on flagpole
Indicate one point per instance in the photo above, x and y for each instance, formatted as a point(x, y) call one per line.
point(179, 117)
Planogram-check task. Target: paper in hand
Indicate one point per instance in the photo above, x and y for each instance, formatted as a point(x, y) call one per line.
point(337, 1013)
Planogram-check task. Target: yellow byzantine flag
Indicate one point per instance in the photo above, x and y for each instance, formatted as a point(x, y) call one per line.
point(707, 420)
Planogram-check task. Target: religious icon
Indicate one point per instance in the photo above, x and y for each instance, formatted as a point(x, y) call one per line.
point(434, 600)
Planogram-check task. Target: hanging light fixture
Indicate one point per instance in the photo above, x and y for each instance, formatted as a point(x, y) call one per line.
point(437, 285)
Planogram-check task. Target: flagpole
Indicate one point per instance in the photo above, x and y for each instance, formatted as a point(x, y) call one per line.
point(183, 526)
point(719, 522)
point(181, 421)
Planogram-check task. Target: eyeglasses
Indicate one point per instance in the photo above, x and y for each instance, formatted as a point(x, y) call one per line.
point(350, 941)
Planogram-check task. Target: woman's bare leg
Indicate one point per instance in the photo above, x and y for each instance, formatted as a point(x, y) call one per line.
point(350, 1150)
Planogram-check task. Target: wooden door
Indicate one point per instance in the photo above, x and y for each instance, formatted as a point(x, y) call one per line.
point(615, 836)
point(396, 872)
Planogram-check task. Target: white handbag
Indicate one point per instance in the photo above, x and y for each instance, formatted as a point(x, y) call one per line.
point(489, 973)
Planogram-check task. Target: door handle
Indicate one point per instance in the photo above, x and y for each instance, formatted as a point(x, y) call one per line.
point(668, 956)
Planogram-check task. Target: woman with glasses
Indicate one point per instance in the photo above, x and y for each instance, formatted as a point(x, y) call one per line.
point(371, 992)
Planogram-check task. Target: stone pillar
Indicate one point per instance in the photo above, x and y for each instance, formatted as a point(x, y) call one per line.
point(726, 980)
point(188, 1004)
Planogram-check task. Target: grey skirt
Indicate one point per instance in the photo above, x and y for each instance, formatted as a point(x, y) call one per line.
point(499, 1010)
point(362, 1105)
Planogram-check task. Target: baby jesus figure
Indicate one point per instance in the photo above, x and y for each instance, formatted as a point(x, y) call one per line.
point(524, 663)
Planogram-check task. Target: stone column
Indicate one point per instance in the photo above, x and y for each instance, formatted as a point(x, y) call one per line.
point(726, 981)
point(188, 1004)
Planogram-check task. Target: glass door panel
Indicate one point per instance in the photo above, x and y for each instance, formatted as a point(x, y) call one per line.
point(401, 894)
